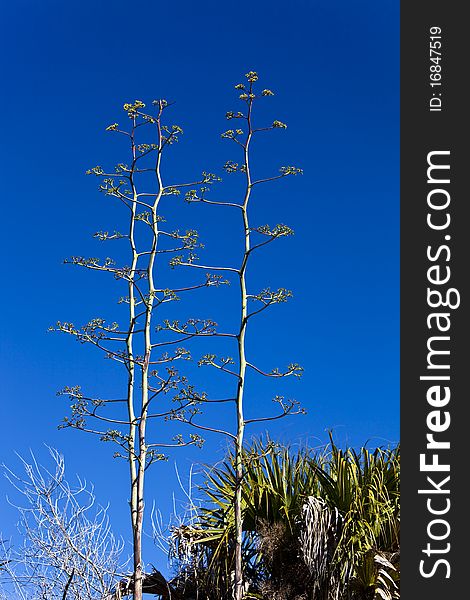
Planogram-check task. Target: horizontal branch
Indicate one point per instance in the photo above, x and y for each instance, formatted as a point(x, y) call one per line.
point(292, 369)
point(207, 428)
point(300, 411)
point(207, 268)
point(214, 202)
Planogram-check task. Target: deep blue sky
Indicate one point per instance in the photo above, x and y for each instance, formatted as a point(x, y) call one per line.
point(67, 69)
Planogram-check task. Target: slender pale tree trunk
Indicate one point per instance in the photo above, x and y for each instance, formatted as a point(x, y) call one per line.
point(129, 347)
point(239, 579)
point(143, 447)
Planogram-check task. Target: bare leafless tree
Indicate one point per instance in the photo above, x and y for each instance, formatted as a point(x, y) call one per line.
point(67, 547)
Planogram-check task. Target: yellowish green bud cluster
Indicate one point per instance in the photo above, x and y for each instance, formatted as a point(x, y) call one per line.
point(95, 171)
point(232, 115)
point(290, 171)
point(252, 76)
point(132, 109)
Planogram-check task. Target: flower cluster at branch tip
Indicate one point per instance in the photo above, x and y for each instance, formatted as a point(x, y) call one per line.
point(171, 191)
point(232, 115)
point(161, 103)
point(252, 76)
point(172, 134)
point(231, 134)
point(98, 170)
point(277, 231)
point(267, 296)
point(133, 109)
point(233, 167)
point(105, 235)
point(291, 171)
point(210, 178)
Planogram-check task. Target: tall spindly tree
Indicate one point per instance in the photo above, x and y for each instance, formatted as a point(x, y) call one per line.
point(253, 239)
point(149, 363)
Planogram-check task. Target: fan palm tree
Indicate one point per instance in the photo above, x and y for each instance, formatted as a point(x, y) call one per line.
point(319, 526)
